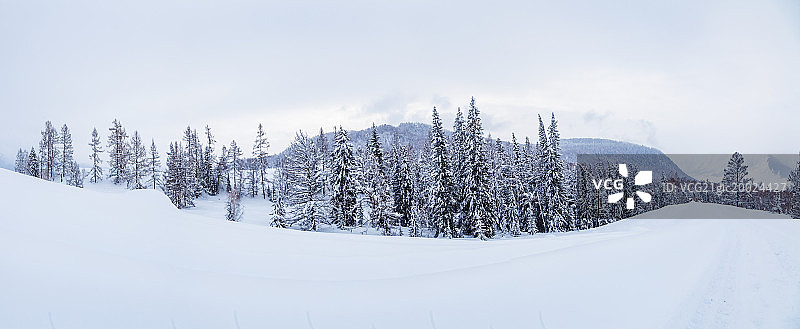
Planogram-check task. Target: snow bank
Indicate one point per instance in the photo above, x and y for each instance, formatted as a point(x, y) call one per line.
point(130, 260)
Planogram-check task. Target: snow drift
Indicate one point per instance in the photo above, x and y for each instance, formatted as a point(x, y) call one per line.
point(72, 258)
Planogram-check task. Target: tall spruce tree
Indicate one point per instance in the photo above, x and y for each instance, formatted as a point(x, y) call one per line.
point(735, 180)
point(175, 186)
point(260, 154)
point(66, 158)
point(376, 186)
point(48, 151)
point(21, 163)
point(281, 190)
point(118, 152)
point(458, 155)
point(210, 180)
point(96, 173)
point(479, 220)
point(154, 167)
point(76, 175)
point(138, 163)
point(192, 161)
point(33, 164)
point(441, 205)
point(794, 192)
point(305, 183)
point(236, 165)
point(557, 213)
point(343, 182)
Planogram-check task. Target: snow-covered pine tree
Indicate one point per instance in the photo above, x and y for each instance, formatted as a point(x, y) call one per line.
point(175, 186)
point(118, 152)
point(235, 158)
point(794, 192)
point(260, 149)
point(404, 186)
point(558, 214)
point(376, 186)
point(222, 172)
point(192, 160)
point(458, 154)
point(138, 163)
point(323, 154)
point(21, 164)
point(735, 179)
point(281, 190)
point(33, 164)
point(48, 152)
point(495, 155)
point(305, 183)
point(540, 187)
point(172, 179)
point(441, 204)
point(154, 167)
point(513, 187)
point(96, 173)
point(253, 181)
point(75, 175)
point(343, 182)
point(479, 221)
point(210, 180)
point(376, 149)
point(529, 200)
point(66, 158)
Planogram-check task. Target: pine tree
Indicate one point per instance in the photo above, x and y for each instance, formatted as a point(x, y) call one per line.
point(304, 180)
point(252, 178)
point(210, 180)
point(260, 154)
point(235, 157)
point(192, 163)
point(96, 173)
point(76, 175)
point(557, 213)
point(279, 200)
point(33, 164)
point(138, 163)
point(118, 152)
point(323, 154)
point(479, 221)
point(66, 159)
point(458, 155)
point(735, 180)
point(794, 192)
point(441, 204)
point(343, 181)
point(223, 178)
point(48, 153)
point(154, 167)
point(376, 185)
point(21, 164)
point(174, 177)
point(404, 186)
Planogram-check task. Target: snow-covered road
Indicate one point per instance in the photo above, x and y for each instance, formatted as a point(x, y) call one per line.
point(130, 260)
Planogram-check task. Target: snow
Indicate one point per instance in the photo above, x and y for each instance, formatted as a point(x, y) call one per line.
point(91, 259)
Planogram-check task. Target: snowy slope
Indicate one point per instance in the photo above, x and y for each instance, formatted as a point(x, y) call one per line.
point(130, 260)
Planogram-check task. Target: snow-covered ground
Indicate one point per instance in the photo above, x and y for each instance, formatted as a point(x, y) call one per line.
point(72, 258)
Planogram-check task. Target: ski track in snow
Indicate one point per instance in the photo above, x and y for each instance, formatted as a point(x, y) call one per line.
point(130, 260)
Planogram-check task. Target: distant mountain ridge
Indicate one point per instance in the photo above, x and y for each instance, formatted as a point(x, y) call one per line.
point(416, 135)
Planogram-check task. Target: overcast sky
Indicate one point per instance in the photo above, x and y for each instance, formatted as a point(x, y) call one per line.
point(682, 76)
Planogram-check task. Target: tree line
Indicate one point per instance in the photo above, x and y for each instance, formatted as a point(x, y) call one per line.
point(458, 184)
